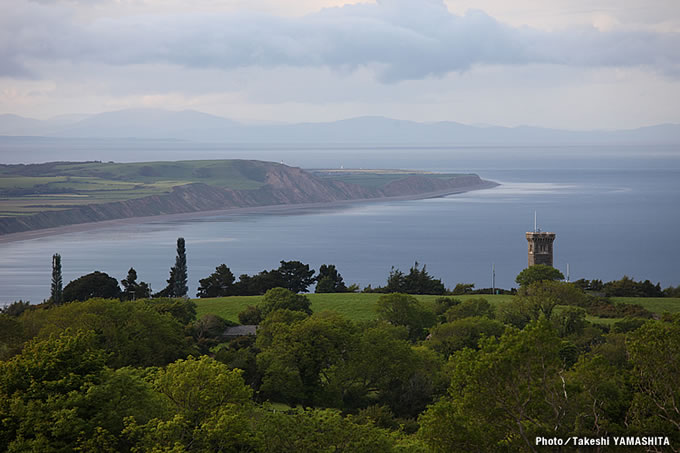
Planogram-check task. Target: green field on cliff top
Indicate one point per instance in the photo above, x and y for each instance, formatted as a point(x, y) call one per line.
point(361, 306)
point(30, 189)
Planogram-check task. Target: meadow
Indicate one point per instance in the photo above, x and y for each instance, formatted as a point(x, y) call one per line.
point(361, 306)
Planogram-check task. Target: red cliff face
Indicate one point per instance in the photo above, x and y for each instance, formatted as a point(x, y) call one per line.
point(283, 185)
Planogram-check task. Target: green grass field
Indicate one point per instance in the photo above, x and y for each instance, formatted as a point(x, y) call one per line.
point(29, 189)
point(375, 178)
point(354, 306)
point(361, 306)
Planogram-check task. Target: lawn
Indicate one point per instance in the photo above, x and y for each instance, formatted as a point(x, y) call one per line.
point(361, 306)
point(354, 306)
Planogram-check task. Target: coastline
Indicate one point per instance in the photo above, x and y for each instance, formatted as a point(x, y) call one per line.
point(266, 209)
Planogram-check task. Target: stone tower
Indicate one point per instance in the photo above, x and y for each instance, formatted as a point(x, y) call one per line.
point(540, 247)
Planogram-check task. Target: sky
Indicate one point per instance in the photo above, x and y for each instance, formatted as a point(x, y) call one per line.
point(569, 64)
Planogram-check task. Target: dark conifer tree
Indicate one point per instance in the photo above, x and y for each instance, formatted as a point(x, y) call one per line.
point(56, 292)
point(180, 281)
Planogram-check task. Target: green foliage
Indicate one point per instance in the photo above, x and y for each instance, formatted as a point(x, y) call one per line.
point(179, 282)
point(208, 331)
point(653, 350)
point(417, 281)
point(329, 280)
point(463, 333)
point(58, 396)
point(133, 333)
point(600, 396)
point(502, 396)
point(133, 290)
point(297, 362)
point(15, 308)
point(405, 310)
point(209, 405)
point(627, 325)
point(672, 291)
point(311, 431)
point(589, 285)
point(219, 284)
point(56, 288)
point(296, 276)
point(251, 315)
point(463, 288)
point(471, 307)
point(282, 298)
point(569, 321)
point(184, 311)
point(539, 299)
point(380, 359)
point(627, 287)
point(442, 304)
point(96, 284)
point(537, 273)
point(11, 336)
point(197, 386)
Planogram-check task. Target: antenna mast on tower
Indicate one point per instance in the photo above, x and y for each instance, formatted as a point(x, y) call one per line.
point(535, 226)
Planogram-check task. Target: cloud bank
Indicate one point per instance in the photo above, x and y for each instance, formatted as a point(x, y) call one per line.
point(398, 39)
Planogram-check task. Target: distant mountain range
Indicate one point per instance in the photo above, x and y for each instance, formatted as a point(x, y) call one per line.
point(201, 127)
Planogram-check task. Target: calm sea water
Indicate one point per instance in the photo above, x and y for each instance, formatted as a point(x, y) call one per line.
point(613, 217)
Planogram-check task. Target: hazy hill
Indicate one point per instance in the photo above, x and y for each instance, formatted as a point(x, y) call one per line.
point(202, 127)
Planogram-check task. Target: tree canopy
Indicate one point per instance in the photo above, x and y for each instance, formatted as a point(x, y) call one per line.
point(537, 273)
point(96, 284)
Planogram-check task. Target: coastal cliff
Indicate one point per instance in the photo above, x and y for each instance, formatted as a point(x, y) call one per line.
point(280, 185)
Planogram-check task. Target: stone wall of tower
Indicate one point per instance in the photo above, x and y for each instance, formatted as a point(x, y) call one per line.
point(540, 248)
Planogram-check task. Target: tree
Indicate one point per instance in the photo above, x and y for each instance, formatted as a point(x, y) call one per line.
point(536, 273)
point(462, 333)
point(56, 292)
point(297, 364)
point(96, 284)
point(282, 298)
point(405, 310)
point(177, 283)
point(472, 307)
point(417, 281)
point(219, 284)
point(133, 290)
point(133, 333)
point(180, 288)
point(503, 395)
point(329, 280)
point(296, 276)
point(653, 350)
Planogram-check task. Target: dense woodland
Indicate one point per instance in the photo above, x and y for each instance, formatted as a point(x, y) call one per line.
point(144, 374)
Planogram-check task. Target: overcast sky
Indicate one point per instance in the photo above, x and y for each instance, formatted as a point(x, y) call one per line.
point(575, 64)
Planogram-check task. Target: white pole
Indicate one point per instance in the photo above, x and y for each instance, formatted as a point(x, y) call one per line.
point(535, 227)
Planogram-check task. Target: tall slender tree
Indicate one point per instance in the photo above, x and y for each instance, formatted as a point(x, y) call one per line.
point(180, 288)
point(56, 291)
point(177, 283)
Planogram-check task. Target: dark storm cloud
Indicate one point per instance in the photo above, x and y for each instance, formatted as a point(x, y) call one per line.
point(400, 39)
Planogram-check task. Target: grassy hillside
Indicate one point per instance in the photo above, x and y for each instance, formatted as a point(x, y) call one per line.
point(55, 186)
point(374, 178)
point(361, 306)
point(354, 306)
point(28, 189)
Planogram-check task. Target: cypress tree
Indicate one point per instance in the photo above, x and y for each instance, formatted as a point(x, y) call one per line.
point(180, 288)
point(56, 290)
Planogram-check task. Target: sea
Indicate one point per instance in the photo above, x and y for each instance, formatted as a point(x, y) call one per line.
point(615, 211)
